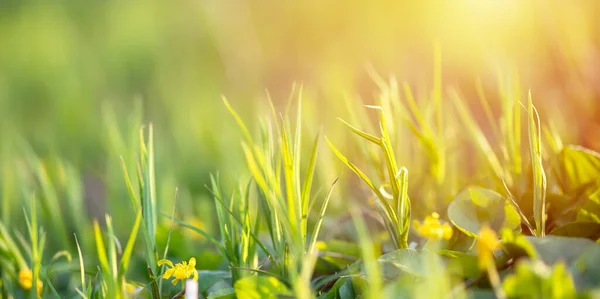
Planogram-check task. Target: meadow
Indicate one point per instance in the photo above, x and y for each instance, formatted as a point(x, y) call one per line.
point(243, 149)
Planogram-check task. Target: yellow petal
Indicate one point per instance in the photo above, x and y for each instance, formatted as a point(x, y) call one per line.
point(168, 273)
point(195, 275)
point(175, 281)
point(192, 264)
point(162, 262)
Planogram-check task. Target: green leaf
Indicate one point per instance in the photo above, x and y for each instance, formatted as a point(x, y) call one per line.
point(129, 247)
point(517, 245)
point(460, 263)
point(539, 177)
point(401, 261)
point(580, 229)
point(586, 269)
point(228, 293)
point(533, 279)
point(334, 255)
point(552, 249)
point(579, 167)
point(476, 206)
point(258, 287)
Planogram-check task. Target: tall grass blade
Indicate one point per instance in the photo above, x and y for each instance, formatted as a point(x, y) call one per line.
point(539, 177)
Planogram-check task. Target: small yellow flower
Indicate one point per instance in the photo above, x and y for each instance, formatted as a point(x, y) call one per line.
point(486, 244)
point(431, 228)
point(181, 271)
point(26, 281)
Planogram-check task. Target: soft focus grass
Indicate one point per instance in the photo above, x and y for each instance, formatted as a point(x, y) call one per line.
point(79, 80)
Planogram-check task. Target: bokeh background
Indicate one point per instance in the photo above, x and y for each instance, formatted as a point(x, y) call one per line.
point(78, 79)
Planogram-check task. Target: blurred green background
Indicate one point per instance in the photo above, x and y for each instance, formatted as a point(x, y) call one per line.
point(79, 78)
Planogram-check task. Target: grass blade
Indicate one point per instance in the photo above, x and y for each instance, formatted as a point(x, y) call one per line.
point(539, 177)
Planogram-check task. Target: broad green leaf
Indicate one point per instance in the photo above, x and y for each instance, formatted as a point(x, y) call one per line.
point(586, 268)
point(552, 249)
point(476, 206)
point(228, 293)
point(579, 167)
point(206, 279)
point(534, 279)
point(516, 245)
point(404, 261)
point(460, 263)
point(589, 230)
point(259, 287)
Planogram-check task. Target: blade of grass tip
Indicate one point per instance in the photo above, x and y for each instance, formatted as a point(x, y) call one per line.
point(539, 178)
point(317, 228)
point(238, 119)
point(125, 258)
point(101, 250)
point(414, 108)
point(81, 266)
point(389, 216)
point(368, 255)
point(306, 187)
point(354, 168)
point(486, 108)
point(362, 134)
point(478, 136)
point(377, 79)
point(290, 180)
point(290, 99)
point(135, 202)
point(24, 244)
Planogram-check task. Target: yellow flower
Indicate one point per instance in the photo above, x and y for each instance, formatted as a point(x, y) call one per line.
point(432, 229)
point(181, 271)
point(486, 244)
point(26, 280)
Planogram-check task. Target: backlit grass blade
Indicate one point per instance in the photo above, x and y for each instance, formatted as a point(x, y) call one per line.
point(362, 134)
point(102, 256)
point(245, 130)
point(403, 207)
point(81, 267)
point(290, 180)
point(478, 136)
point(135, 202)
point(354, 168)
point(125, 258)
point(539, 177)
point(307, 185)
point(317, 228)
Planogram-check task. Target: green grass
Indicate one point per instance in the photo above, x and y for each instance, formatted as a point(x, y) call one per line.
point(279, 226)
